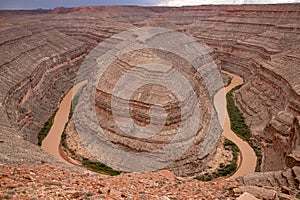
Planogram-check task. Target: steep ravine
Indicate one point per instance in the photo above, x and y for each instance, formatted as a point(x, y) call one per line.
point(51, 143)
point(248, 158)
point(258, 42)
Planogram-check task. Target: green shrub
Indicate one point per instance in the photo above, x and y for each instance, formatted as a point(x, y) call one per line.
point(46, 128)
point(237, 120)
point(239, 127)
point(231, 145)
point(63, 142)
point(74, 103)
point(229, 81)
point(63, 135)
point(99, 167)
point(92, 165)
point(224, 170)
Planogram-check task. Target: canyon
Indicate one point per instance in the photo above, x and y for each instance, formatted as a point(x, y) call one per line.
point(41, 52)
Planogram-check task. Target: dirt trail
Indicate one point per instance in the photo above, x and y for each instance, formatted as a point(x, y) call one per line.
point(51, 143)
point(248, 158)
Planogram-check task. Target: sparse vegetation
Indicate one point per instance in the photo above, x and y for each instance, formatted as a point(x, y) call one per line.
point(224, 170)
point(74, 103)
point(63, 135)
point(64, 142)
point(229, 81)
point(48, 124)
point(99, 167)
point(237, 120)
point(46, 128)
point(238, 125)
point(92, 165)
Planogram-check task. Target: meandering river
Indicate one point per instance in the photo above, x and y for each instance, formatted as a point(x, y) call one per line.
point(51, 143)
point(247, 161)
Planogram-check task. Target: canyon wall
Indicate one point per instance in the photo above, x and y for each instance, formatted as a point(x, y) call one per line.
point(41, 53)
point(262, 45)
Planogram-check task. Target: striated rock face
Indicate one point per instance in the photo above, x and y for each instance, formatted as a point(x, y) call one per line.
point(142, 101)
point(263, 47)
point(293, 157)
point(40, 55)
point(271, 185)
point(152, 105)
point(39, 65)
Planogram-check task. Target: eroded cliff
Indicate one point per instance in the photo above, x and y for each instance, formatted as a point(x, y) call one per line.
point(41, 54)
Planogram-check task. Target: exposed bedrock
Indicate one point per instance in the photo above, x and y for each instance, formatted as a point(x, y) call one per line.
point(40, 55)
point(87, 29)
point(264, 49)
point(270, 102)
point(37, 67)
point(47, 62)
point(178, 111)
point(271, 185)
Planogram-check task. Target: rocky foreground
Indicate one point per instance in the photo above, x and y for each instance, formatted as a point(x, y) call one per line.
point(41, 51)
point(55, 182)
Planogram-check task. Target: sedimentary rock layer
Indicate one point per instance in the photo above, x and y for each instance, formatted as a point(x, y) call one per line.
point(271, 185)
point(40, 53)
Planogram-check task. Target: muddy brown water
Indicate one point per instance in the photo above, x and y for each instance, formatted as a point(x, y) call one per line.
point(248, 159)
point(51, 143)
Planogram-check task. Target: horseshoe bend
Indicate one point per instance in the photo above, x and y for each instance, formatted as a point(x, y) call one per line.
point(153, 109)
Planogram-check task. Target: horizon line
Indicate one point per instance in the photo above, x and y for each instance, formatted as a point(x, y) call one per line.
point(133, 5)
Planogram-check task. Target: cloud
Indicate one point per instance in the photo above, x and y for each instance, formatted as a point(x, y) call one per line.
point(201, 2)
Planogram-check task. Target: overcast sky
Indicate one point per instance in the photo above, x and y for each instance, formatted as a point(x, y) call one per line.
point(33, 4)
